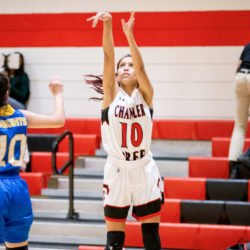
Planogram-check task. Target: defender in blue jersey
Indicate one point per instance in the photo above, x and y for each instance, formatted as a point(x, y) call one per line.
point(15, 205)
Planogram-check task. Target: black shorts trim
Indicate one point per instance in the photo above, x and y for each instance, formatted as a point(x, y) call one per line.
point(116, 213)
point(147, 209)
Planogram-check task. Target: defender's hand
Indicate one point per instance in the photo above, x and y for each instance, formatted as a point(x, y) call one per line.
point(56, 85)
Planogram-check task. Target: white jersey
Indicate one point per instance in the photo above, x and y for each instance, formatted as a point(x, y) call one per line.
point(127, 127)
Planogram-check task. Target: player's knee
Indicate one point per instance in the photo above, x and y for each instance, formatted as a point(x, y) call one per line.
point(151, 238)
point(18, 248)
point(115, 240)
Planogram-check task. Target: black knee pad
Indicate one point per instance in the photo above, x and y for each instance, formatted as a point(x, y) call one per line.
point(18, 248)
point(115, 240)
point(151, 237)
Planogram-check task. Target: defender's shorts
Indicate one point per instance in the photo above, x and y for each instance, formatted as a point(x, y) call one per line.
point(132, 182)
point(15, 210)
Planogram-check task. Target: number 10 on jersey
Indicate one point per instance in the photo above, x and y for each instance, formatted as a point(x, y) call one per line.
point(136, 134)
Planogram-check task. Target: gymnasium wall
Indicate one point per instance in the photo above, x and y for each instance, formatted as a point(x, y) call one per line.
point(190, 48)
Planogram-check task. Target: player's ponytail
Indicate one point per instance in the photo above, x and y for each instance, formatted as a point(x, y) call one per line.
point(4, 87)
point(96, 83)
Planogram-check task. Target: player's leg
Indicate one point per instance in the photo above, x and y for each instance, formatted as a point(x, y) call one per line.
point(115, 235)
point(115, 218)
point(147, 203)
point(150, 233)
point(19, 217)
point(117, 200)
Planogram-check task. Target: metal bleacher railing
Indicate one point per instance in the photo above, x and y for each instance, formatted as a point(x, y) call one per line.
point(50, 143)
point(69, 164)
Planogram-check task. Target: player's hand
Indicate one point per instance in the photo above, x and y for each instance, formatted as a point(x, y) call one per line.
point(103, 16)
point(129, 25)
point(55, 85)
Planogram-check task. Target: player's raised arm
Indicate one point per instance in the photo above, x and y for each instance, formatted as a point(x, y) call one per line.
point(144, 83)
point(109, 85)
point(50, 121)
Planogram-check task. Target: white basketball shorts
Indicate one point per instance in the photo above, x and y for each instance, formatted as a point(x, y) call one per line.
point(136, 183)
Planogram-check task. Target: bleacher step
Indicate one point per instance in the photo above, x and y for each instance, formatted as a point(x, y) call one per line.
point(174, 149)
point(58, 208)
point(93, 167)
point(81, 184)
point(68, 232)
point(88, 210)
point(63, 193)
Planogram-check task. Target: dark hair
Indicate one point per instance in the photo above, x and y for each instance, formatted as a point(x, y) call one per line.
point(4, 87)
point(20, 70)
point(96, 81)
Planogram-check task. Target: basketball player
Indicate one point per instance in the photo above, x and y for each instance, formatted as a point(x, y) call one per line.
point(131, 176)
point(15, 205)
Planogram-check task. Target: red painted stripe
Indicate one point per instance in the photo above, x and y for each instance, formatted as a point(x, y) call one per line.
point(146, 217)
point(198, 28)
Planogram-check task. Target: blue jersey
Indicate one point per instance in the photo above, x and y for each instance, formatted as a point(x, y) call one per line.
point(13, 129)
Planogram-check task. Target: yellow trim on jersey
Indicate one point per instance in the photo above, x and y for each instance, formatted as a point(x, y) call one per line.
point(6, 110)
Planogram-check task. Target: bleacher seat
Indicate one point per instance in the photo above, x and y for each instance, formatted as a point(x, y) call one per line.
point(221, 237)
point(227, 190)
point(41, 142)
point(208, 167)
point(191, 236)
point(205, 189)
point(41, 162)
point(75, 125)
point(203, 212)
point(185, 188)
point(238, 212)
point(215, 212)
point(162, 129)
point(83, 144)
point(220, 146)
point(170, 211)
point(35, 181)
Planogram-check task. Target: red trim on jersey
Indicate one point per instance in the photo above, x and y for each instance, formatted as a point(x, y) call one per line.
point(116, 206)
point(158, 183)
point(106, 186)
point(115, 220)
point(146, 217)
point(189, 28)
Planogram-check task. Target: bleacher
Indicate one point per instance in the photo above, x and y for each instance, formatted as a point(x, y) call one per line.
point(204, 211)
point(190, 49)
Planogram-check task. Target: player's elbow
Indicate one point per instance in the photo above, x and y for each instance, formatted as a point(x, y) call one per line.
point(142, 68)
point(59, 122)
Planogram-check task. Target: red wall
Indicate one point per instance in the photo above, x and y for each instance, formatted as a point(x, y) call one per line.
point(193, 28)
